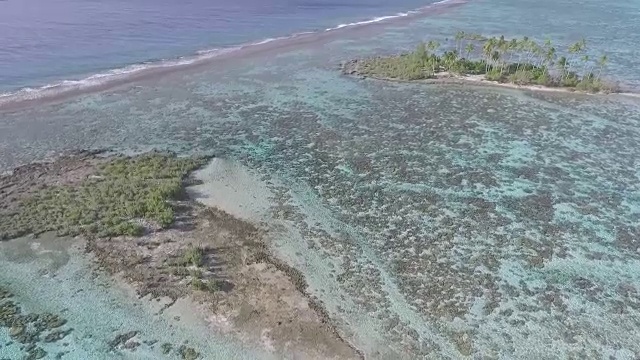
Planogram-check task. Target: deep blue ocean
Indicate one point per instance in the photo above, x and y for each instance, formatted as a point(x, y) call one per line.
point(43, 41)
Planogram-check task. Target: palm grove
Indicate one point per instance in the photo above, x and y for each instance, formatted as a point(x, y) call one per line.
point(520, 61)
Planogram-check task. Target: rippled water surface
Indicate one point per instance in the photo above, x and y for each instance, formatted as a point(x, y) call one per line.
point(432, 221)
point(45, 42)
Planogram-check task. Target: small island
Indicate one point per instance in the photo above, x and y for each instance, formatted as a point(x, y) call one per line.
point(138, 218)
point(517, 62)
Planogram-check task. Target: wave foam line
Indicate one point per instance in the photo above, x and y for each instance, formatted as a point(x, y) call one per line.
point(99, 79)
point(398, 15)
point(30, 93)
point(371, 21)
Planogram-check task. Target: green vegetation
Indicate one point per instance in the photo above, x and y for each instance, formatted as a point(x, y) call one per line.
point(123, 194)
point(193, 256)
point(191, 265)
point(205, 285)
point(518, 61)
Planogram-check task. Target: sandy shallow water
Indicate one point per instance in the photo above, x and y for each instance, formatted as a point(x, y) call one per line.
point(52, 275)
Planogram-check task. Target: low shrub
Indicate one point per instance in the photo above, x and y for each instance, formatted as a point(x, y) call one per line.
point(124, 191)
point(193, 256)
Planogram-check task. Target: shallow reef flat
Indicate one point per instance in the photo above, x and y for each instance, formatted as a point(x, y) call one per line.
point(506, 235)
point(452, 221)
point(197, 284)
point(443, 222)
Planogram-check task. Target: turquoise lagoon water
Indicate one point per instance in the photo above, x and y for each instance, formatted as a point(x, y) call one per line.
point(433, 221)
point(50, 276)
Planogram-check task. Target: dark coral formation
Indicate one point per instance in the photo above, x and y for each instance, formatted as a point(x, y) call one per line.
point(30, 329)
point(483, 220)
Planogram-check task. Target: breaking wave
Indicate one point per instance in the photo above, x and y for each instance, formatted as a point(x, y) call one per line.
point(120, 74)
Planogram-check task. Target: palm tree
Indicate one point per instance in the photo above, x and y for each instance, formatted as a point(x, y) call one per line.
point(601, 63)
point(421, 51)
point(469, 49)
point(583, 44)
point(546, 47)
point(562, 62)
point(459, 37)
point(549, 56)
point(574, 49)
point(540, 54)
point(585, 60)
point(487, 50)
point(432, 46)
point(503, 48)
point(495, 57)
point(523, 48)
point(513, 47)
point(533, 50)
point(450, 58)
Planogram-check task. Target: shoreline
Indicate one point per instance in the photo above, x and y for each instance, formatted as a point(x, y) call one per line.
point(512, 62)
point(258, 298)
point(101, 316)
point(20, 98)
point(445, 78)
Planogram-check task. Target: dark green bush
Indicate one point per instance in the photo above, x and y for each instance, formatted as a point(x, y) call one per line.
point(124, 191)
point(209, 285)
point(519, 61)
point(193, 255)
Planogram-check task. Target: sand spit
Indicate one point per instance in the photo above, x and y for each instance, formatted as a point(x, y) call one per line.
point(209, 269)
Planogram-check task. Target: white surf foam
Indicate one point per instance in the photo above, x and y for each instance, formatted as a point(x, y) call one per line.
point(371, 21)
point(398, 15)
point(30, 93)
point(98, 79)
